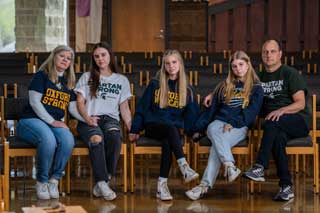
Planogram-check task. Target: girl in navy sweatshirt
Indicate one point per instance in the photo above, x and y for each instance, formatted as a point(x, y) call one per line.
point(167, 105)
point(236, 102)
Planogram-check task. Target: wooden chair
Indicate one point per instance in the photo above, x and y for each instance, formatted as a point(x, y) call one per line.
point(243, 148)
point(1, 177)
point(146, 146)
point(1, 193)
point(11, 109)
point(81, 149)
point(306, 146)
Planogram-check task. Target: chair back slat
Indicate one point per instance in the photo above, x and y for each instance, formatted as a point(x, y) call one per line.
point(14, 107)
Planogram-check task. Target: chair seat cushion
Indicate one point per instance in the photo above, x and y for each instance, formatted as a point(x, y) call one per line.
point(305, 141)
point(145, 141)
point(206, 142)
point(18, 143)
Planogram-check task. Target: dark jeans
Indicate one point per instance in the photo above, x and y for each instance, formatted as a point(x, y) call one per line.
point(104, 156)
point(171, 142)
point(274, 140)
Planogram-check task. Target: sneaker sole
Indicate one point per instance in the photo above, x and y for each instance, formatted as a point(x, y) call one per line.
point(194, 177)
point(110, 198)
point(283, 199)
point(164, 199)
point(260, 179)
point(192, 197)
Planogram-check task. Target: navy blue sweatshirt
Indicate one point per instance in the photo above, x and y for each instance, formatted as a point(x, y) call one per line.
point(238, 112)
point(148, 110)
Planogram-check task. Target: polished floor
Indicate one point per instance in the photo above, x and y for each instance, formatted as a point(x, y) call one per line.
point(224, 197)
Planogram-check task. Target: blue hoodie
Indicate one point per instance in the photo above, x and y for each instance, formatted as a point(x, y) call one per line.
point(148, 110)
point(238, 112)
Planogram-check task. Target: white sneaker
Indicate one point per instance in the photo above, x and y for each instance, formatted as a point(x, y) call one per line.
point(42, 191)
point(102, 189)
point(53, 188)
point(232, 173)
point(188, 173)
point(163, 192)
point(197, 192)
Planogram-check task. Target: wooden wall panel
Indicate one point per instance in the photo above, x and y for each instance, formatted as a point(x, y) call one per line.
point(311, 24)
point(257, 23)
point(221, 31)
point(293, 26)
point(275, 20)
point(239, 37)
point(188, 26)
point(136, 25)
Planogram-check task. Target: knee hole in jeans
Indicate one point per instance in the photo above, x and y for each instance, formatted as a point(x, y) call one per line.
point(95, 139)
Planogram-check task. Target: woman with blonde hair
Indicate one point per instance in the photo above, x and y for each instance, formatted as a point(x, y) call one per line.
point(50, 94)
point(235, 104)
point(167, 105)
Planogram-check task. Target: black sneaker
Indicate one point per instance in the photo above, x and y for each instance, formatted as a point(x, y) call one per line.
point(285, 193)
point(256, 173)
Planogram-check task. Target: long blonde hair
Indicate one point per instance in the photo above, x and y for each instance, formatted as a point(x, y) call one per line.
point(49, 66)
point(182, 80)
point(250, 78)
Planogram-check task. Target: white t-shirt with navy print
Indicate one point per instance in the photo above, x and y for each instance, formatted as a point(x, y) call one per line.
point(112, 91)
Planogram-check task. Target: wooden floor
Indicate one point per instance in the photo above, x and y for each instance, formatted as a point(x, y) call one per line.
point(232, 197)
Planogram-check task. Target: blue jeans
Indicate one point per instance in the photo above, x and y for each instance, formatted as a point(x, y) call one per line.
point(220, 151)
point(54, 146)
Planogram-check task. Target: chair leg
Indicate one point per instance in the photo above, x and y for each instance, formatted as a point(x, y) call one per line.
point(316, 168)
point(132, 167)
point(195, 156)
point(304, 158)
point(297, 163)
point(6, 186)
point(125, 176)
point(68, 178)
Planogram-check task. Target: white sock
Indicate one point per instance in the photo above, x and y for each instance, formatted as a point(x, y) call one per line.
point(182, 161)
point(228, 164)
point(162, 179)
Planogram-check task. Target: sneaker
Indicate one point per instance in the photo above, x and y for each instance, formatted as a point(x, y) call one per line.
point(188, 173)
point(232, 173)
point(163, 192)
point(285, 193)
point(102, 189)
point(53, 188)
point(42, 191)
point(256, 173)
point(197, 192)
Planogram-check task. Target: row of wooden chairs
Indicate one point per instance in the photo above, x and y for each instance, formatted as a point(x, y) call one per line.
point(11, 109)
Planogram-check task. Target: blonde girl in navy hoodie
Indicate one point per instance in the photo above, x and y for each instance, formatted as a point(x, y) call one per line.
point(235, 104)
point(167, 105)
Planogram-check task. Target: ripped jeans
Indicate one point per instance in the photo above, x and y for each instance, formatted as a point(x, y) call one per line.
point(104, 155)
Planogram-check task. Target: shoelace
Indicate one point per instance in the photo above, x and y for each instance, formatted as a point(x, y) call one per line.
point(257, 171)
point(286, 189)
point(201, 188)
point(43, 187)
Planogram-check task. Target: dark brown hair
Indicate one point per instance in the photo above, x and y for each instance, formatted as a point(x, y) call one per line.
point(94, 68)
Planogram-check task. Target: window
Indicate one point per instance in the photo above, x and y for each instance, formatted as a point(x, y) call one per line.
point(7, 25)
